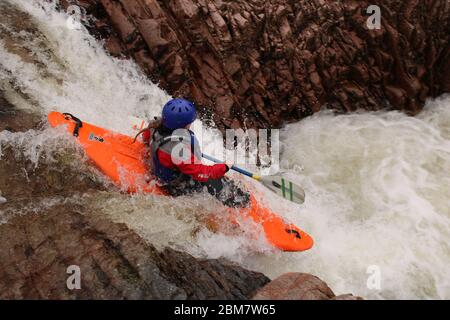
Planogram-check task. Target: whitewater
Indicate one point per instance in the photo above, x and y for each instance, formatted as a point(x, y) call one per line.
point(377, 184)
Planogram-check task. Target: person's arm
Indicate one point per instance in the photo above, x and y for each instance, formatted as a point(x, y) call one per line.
point(194, 168)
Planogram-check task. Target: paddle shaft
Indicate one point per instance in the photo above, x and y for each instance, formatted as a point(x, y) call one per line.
point(235, 168)
point(277, 184)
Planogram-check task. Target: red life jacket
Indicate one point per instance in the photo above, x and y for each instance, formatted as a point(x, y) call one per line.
point(168, 167)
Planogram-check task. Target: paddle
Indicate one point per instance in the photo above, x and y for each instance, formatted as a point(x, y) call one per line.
point(275, 183)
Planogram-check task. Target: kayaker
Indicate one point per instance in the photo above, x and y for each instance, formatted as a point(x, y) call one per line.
point(176, 157)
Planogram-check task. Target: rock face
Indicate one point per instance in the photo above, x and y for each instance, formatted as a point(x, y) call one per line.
point(22, 180)
point(260, 63)
point(36, 250)
point(13, 120)
point(299, 286)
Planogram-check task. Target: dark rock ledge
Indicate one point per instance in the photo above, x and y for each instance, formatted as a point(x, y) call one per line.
point(115, 263)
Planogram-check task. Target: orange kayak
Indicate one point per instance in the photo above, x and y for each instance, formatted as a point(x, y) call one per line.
point(124, 163)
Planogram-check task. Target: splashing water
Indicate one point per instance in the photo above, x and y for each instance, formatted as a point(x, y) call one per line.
point(377, 184)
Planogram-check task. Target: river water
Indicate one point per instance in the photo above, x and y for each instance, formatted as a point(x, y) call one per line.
point(377, 184)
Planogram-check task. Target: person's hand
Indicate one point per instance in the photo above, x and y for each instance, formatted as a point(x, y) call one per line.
point(229, 164)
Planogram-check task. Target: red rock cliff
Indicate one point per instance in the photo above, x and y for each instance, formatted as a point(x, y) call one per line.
point(259, 63)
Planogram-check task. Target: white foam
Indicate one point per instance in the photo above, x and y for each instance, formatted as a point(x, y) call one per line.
point(96, 87)
point(378, 192)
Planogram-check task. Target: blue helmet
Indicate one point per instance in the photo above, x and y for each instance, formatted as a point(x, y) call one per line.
point(178, 113)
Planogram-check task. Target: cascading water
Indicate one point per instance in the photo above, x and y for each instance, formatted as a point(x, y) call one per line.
point(377, 184)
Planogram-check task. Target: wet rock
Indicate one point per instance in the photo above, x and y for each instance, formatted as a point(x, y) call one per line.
point(295, 286)
point(15, 120)
point(298, 286)
point(37, 173)
point(114, 263)
point(260, 63)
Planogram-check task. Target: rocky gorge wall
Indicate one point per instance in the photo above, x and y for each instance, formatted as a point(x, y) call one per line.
point(259, 63)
